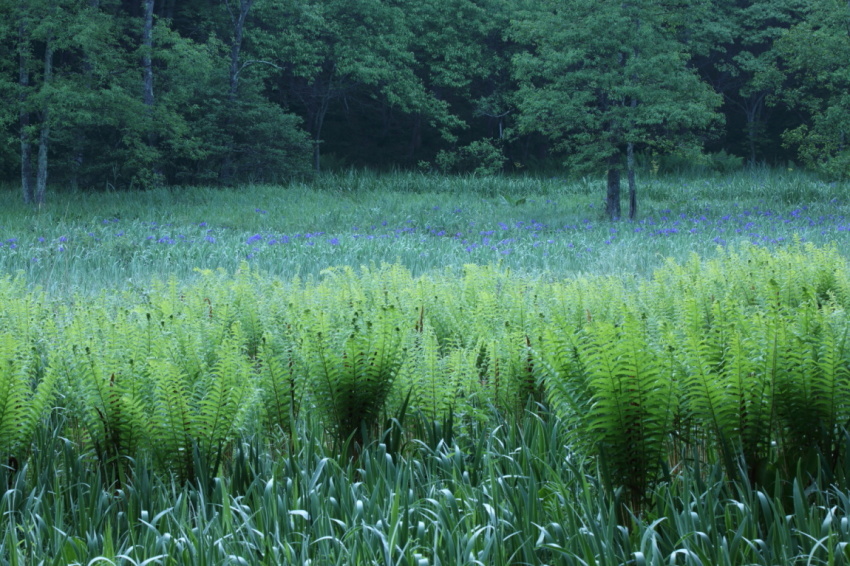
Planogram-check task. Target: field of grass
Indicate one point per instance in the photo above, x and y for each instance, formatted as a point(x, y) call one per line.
point(89, 241)
point(196, 377)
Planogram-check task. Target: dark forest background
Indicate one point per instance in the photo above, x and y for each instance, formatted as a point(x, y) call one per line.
point(137, 93)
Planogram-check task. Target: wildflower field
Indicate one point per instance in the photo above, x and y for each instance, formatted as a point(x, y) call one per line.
point(413, 369)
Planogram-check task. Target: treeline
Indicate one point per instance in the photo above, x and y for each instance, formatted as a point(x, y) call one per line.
point(136, 93)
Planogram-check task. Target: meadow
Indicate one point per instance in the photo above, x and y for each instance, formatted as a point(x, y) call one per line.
point(414, 369)
point(89, 241)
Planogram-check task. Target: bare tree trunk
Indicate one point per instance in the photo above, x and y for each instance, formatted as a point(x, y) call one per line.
point(753, 110)
point(630, 147)
point(319, 121)
point(630, 166)
point(612, 202)
point(147, 80)
point(238, 22)
point(78, 157)
point(24, 115)
point(147, 62)
point(44, 135)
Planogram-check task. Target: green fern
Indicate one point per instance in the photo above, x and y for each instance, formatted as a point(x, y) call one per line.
point(281, 381)
point(813, 393)
point(632, 408)
point(224, 397)
point(21, 404)
point(566, 378)
point(353, 368)
point(100, 364)
point(426, 374)
point(174, 420)
point(710, 396)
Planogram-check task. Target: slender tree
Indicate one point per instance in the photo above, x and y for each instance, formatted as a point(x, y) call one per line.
point(604, 75)
point(148, 98)
point(44, 133)
point(27, 179)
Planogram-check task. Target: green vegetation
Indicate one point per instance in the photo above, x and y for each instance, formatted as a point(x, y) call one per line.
point(136, 95)
point(84, 242)
point(224, 339)
point(437, 410)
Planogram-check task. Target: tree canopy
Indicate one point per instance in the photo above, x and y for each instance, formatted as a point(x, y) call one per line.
point(139, 93)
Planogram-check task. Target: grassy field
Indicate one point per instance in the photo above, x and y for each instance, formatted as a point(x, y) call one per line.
point(193, 377)
point(88, 241)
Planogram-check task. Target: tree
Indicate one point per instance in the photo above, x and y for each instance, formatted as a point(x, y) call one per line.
point(463, 61)
point(814, 56)
point(741, 66)
point(45, 30)
point(604, 76)
point(357, 52)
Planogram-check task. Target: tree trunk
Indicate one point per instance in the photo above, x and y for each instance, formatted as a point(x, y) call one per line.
point(24, 116)
point(319, 117)
point(44, 135)
point(78, 157)
point(754, 107)
point(630, 165)
point(147, 83)
point(612, 202)
point(238, 21)
point(147, 63)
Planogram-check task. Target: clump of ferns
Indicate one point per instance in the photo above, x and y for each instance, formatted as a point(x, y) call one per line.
point(352, 364)
point(766, 385)
point(281, 377)
point(508, 373)
point(438, 379)
point(99, 364)
point(813, 390)
point(195, 419)
point(25, 399)
point(628, 417)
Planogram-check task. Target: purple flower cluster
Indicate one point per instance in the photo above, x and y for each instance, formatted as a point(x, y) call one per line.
point(494, 237)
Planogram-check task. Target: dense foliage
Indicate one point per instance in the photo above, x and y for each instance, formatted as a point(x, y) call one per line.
point(461, 414)
point(113, 93)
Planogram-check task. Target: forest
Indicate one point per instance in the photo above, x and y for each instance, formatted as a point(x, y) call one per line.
point(132, 94)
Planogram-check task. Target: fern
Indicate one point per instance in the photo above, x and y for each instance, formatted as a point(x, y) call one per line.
point(199, 415)
point(224, 395)
point(21, 404)
point(564, 373)
point(281, 381)
point(632, 407)
point(174, 424)
point(507, 368)
point(102, 379)
point(426, 373)
point(813, 393)
point(710, 396)
point(352, 369)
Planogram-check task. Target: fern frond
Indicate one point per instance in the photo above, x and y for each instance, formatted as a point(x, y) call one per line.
point(632, 406)
point(281, 380)
point(174, 422)
point(21, 405)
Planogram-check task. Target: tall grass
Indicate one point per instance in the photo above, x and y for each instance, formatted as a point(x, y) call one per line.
point(511, 493)
point(131, 327)
point(83, 242)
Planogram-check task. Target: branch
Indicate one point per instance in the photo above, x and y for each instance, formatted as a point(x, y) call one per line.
point(256, 62)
